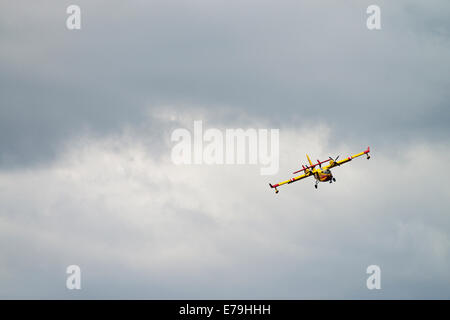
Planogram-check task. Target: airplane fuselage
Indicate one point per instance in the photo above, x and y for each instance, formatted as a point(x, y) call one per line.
point(323, 175)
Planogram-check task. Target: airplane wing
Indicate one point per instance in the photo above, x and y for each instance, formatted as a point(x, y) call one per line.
point(303, 176)
point(338, 163)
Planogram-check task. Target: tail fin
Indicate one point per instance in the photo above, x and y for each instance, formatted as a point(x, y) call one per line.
point(310, 163)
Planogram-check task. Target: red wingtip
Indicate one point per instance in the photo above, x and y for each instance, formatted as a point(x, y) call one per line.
point(368, 150)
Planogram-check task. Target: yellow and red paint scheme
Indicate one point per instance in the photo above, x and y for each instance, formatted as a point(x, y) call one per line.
point(320, 174)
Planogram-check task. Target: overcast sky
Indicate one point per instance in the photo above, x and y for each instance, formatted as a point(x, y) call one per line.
point(86, 176)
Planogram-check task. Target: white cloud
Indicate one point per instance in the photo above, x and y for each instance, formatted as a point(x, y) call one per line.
point(113, 202)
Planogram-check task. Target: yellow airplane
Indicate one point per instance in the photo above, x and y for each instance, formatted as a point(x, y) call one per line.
point(320, 174)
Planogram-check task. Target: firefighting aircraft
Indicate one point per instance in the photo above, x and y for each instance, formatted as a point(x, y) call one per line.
point(320, 174)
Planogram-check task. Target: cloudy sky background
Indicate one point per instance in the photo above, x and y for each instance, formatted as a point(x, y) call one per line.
point(86, 176)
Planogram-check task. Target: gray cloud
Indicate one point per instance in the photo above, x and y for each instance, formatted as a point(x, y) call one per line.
point(289, 62)
point(84, 129)
point(142, 228)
